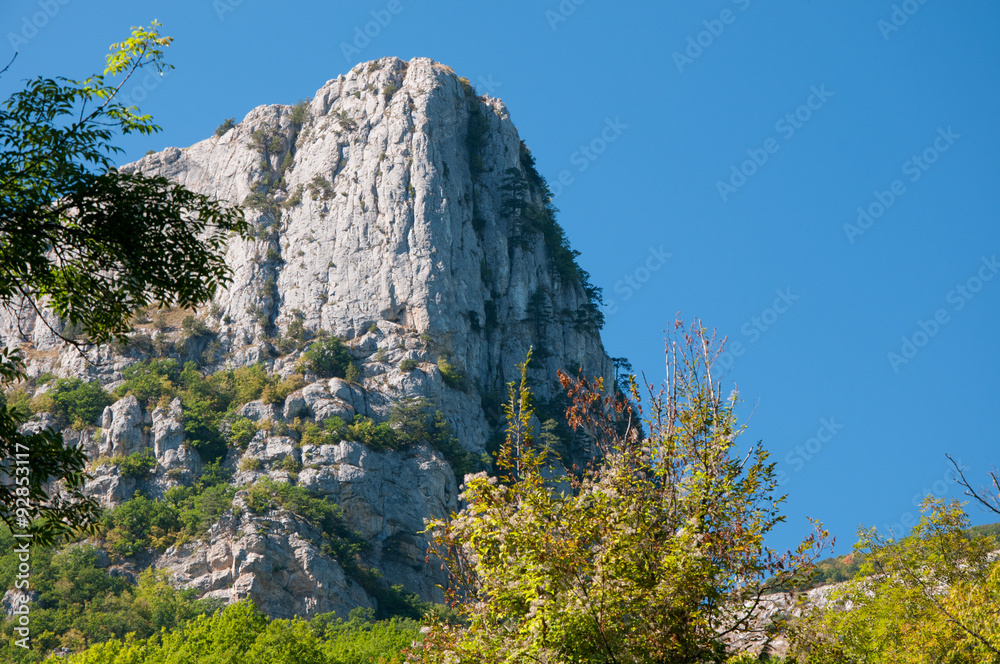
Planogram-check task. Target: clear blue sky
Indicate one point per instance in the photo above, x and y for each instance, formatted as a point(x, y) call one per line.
point(766, 259)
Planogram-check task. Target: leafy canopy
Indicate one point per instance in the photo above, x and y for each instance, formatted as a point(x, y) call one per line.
point(241, 633)
point(83, 245)
point(654, 554)
point(83, 239)
point(928, 597)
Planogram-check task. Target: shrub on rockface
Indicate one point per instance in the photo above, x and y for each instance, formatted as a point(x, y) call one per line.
point(183, 513)
point(411, 422)
point(74, 402)
point(137, 465)
point(207, 400)
point(226, 125)
point(328, 358)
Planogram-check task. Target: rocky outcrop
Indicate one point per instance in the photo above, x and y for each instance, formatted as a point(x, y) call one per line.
point(122, 428)
point(397, 211)
point(14, 599)
point(272, 559)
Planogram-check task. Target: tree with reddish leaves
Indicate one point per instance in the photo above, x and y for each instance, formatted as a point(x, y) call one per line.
point(655, 553)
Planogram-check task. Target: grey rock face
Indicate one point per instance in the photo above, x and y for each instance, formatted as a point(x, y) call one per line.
point(272, 559)
point(402, 215)
point(123, 423)
point(108, 486)
point(13, 599)
point(391, 229)
point(168, 443)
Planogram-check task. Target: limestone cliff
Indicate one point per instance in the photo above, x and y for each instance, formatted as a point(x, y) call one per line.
point(396, 210)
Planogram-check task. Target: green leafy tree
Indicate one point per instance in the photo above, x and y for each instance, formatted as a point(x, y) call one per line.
point(31, 459)
point(241, 633)
point(74, 402)
point(138, 465)
point(654, 554)
point(80, 603)
point(928, 597)
point(83, 245)
point(328, 358)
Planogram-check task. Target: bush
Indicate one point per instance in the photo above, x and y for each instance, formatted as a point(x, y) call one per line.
point(289, 464)
point(328, 358)
point(266, 494)
point(266, 140)
point(320, 188)
point(249, 463)
point(18, 402)
point(141, 523)
point(184, 512)
point(275, 394)
point(243, 385)
point(201, 506)
point(151, 380)
point(195, 327)
point(241, 432)
point(74, 402)
point(453, 378)
point(137, 465)
point(376, 436)
point(409, 364)
point(226, 125)
point(300, 112)
point(417, 422)
point(412, 422)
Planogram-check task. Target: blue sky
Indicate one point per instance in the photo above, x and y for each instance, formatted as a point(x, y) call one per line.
point(824, 107)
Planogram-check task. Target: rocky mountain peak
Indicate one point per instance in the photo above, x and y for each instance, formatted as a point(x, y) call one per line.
point(400, 212)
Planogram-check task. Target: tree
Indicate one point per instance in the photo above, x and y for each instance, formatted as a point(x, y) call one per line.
point(653, 554)
point(928, 597)
point(83, 246)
